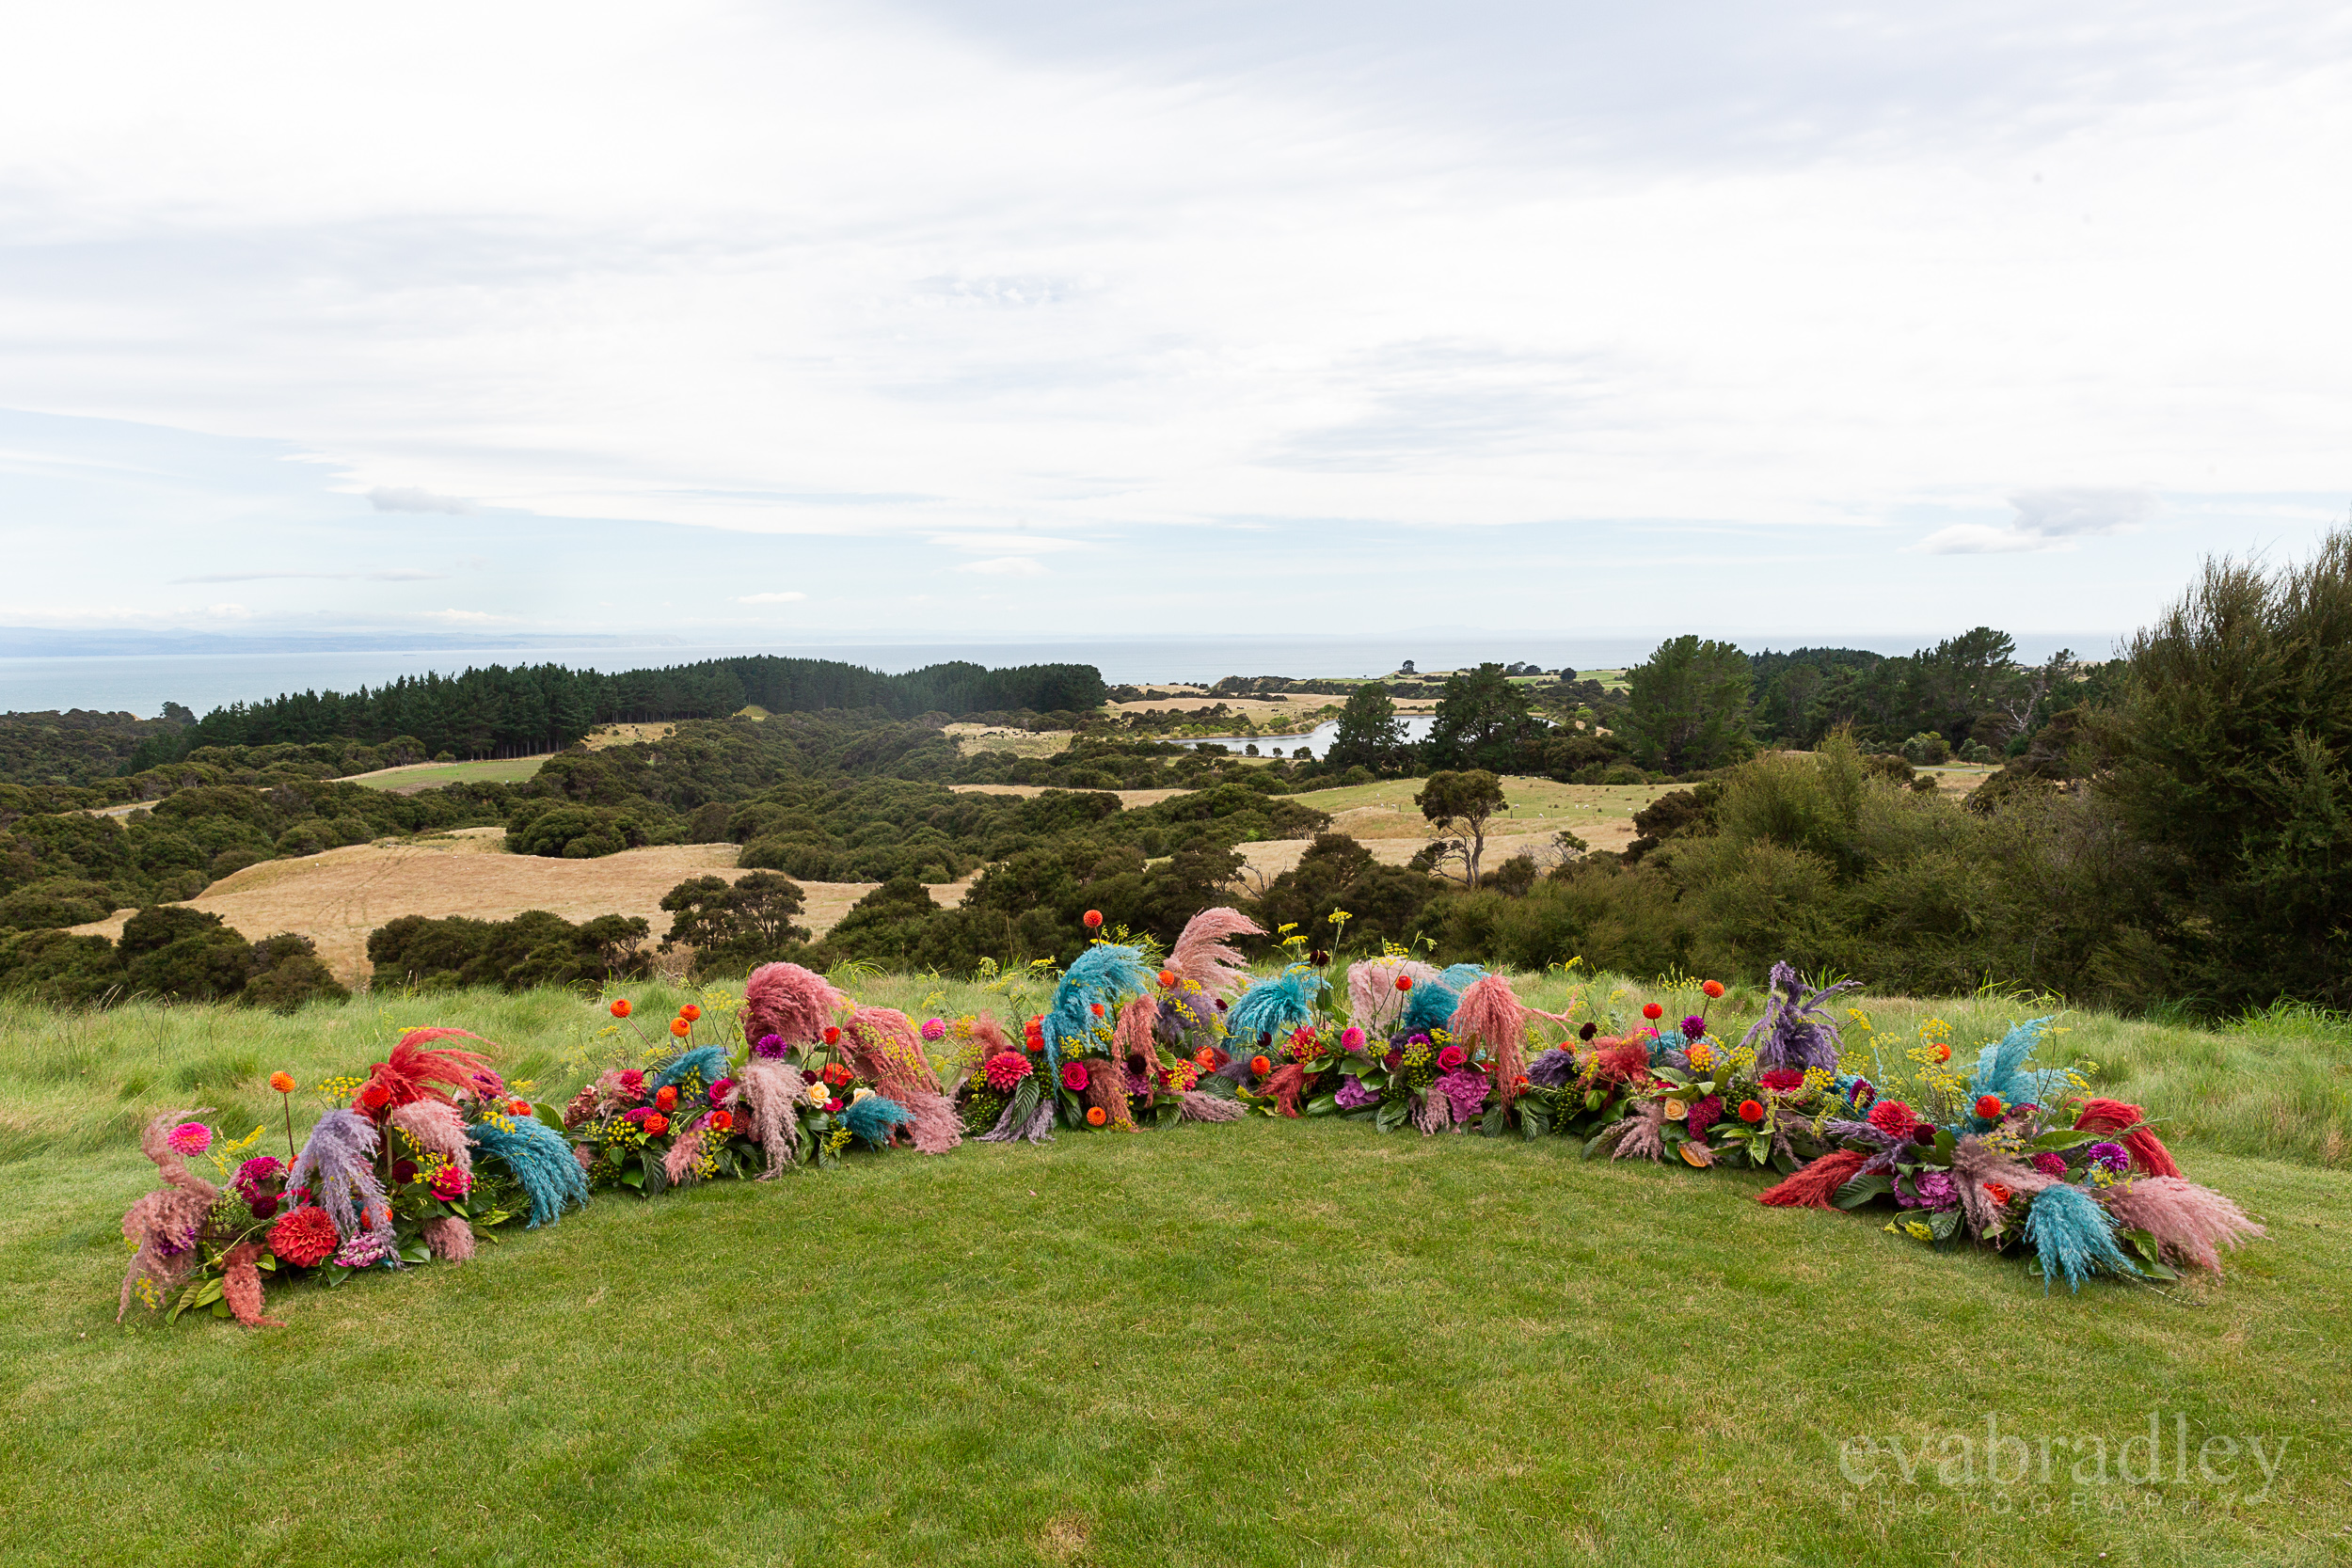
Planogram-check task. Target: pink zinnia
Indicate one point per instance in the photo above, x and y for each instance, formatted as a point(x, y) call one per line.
point(1351, 1039)
point(933, 1028)
point(189, 1138)
point(1074, 1077)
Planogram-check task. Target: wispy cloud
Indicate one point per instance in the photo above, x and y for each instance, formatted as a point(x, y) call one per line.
point(785, 597)
point(394, 576)
point(1006, 567)
point(2048, 520)
point(407, 499)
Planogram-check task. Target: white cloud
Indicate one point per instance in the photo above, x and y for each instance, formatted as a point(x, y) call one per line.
point(2048, 520)
point(467, 617)
point(408, 499)
point(1005, 567)
point(770, 599)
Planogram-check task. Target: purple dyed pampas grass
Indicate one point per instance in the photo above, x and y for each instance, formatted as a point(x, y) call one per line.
point(2190, 1223)
point(1796, 1030)
point(337, 1166)
point(1644, 1134)
point(1038, 1129)
point(162, 1224)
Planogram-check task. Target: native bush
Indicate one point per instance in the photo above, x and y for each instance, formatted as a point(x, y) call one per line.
point(535, 948)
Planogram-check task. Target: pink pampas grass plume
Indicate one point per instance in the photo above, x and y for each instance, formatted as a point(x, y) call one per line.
point(161, 1225)
point(884, 1044)
point(768, 1089)
point(1196, 1106)
point(241, 1286)
point(1490, 1013)
point(1373, 1003)
point(987, 1035)
point(1435, 1113)
point(1205, 953)
point(936, 1128)
point(678, 1163)
point(437, 1129)
point(1133, 1035)
point(790, 1002)
point(449, 1238)
point(1106, 1086)
point(2190, 1223)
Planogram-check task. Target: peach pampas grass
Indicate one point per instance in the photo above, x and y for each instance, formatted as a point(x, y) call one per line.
point(1373, 1003)
point(449, 1238)
point(769, 1088)
point(936, 1128)
point(1205, 953)
point(1196, 1105)
point(883, 1043)
point(162, 1224)
point(437, 1129)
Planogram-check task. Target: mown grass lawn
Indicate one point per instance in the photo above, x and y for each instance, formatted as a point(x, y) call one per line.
point(433, 775)
point(1262, 1343)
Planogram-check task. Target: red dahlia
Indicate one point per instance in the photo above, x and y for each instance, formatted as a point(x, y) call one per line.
point(305, 1238)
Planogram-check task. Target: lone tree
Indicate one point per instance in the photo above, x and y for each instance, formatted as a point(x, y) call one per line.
point(735, 926)
point(1463, 803)
point(1482, 718)
point(1687, 706)
point(1371, 734)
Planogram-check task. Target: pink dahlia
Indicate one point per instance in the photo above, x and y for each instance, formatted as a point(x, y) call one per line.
point(1704, 1115)
point(1893, 1117)
point(189, 1138)
point(934, 1028)
point(1351, 1039)
point(1005, 1070)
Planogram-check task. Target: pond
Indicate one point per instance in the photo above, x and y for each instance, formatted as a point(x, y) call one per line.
point(1317, 740)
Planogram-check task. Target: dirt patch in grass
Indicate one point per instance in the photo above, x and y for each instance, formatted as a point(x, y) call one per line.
point(1129, 798)
point(336, 899)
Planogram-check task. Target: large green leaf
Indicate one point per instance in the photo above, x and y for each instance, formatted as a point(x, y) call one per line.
point(1854, 1193)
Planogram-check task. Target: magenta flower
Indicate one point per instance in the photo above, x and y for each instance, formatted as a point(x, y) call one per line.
point(933, 1028)
point(189, 1138)
point(769, 1047)
point(450, 1184)
point(1451, 1058)
point(719, 1090)
point(1693, 1028)
point(2050, 1164)
point(1353, 1095)
point(1351, 1039)
point(1074, 1077)
point(1465, 1090)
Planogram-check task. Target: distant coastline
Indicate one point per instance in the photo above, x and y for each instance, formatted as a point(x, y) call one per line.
point(208, 671)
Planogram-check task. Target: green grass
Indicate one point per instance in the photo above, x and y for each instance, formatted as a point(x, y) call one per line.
point(433, 775)
point(1264, 1343)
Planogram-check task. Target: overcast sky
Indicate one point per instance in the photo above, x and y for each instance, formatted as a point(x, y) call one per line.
point(754, 322)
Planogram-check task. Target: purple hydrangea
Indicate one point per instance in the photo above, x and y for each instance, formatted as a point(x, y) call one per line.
point(1465, 1088)
point(1934, 1189)
point(1693, 1028)
point(2115, 1157)
point(769, 1046)
point(1351, 1094)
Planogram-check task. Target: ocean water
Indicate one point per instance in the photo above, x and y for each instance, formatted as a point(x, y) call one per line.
point(142, 683)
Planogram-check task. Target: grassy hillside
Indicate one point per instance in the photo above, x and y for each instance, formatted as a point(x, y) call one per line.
point(1264, 1343)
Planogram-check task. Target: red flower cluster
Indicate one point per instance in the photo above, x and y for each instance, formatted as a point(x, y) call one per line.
point(665, 1097)
point(1005, 1070)
point(1404, 982)
point(1209, 1059)
point(1780, 1080)
point(1652, 1011)
point(305, 1238)
point(720, 1121)
point(654, 1125)
point(1894, 1118)
point(1093, 919)
point(1704, 1115)
point(837, 1076)
point(1033, 1033)
point(833, 1034)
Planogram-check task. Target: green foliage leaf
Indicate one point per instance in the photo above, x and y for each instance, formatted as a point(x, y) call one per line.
point(1862, 1190)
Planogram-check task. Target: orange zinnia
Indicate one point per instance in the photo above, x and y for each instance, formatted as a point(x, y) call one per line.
point(283, 1082)
point(678, 1026)
point(620, 1006)
point(1096, 1117)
